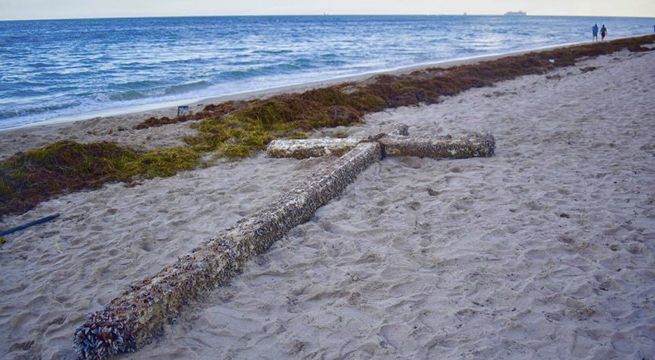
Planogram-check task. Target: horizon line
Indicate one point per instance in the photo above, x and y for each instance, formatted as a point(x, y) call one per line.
point(300, 15)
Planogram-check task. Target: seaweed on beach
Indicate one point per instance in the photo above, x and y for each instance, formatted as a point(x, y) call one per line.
point(209, 111)
point(248, 128)
point(237, 129)
point(66, 166)
point(251, 128)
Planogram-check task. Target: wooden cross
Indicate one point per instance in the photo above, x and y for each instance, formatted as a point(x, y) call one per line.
point(133, 319)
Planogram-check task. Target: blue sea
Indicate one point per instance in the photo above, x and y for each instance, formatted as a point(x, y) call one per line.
point(64, 69)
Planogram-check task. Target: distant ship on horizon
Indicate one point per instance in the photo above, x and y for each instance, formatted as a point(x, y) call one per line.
point(516, 13)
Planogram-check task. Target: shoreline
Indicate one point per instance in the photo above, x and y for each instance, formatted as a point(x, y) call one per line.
point(169, 108)
point(87, 154)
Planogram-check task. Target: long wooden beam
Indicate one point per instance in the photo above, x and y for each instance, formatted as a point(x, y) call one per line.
point(443, 147)
point(306, 148)
point(437, 147)
point(133, 319)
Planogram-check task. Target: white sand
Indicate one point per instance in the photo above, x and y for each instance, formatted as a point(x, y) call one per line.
point(546, 250)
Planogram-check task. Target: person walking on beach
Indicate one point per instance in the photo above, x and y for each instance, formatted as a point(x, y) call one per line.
point(594, 30)
point(603, 32)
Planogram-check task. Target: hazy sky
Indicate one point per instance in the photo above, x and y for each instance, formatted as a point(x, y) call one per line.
point(46, 9)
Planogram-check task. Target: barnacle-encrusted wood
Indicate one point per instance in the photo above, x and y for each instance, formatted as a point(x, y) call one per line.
point(140, 313)
point(441, 147)
point(306, 148)
point(133, 319)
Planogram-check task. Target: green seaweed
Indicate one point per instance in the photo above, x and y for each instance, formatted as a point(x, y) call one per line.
point(245, 131)
point(65, 166)
point(161, 162)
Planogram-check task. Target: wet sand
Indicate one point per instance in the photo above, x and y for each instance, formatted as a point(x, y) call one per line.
point(546, 250)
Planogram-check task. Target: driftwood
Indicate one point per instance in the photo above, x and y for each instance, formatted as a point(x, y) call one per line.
point(306, 148)
point(137, 316)
point(444, 147)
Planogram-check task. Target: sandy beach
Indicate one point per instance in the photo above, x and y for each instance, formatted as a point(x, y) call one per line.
point(546, 250)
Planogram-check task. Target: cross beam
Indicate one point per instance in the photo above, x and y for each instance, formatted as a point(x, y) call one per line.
point(442, 147)
point(139, 314)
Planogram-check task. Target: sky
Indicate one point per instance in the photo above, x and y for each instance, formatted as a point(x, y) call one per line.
point(66, 9)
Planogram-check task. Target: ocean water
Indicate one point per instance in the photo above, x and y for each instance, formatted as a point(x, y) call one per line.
point(62, 69)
